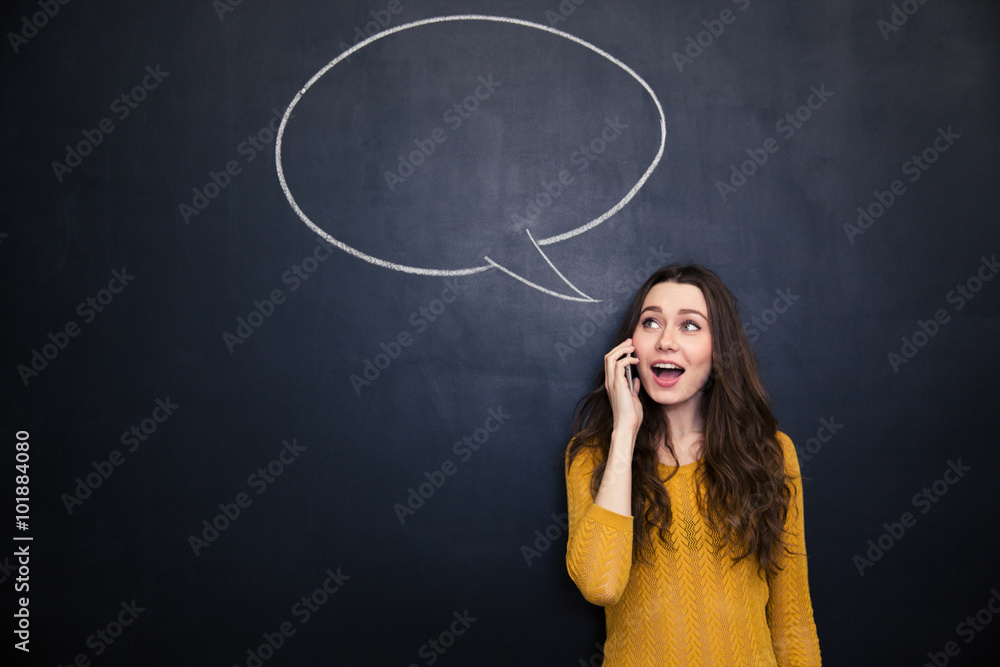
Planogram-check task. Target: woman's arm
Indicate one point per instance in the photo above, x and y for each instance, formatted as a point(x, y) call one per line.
point(789, 608)
point(599, 554)
point(615, 492)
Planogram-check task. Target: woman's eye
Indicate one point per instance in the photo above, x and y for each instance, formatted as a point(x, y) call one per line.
point(650, 323)
point(690, 326)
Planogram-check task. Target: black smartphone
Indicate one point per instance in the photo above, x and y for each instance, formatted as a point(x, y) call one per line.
point(628, 377)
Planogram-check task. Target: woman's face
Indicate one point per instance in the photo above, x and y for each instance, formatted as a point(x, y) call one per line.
point(673, 343)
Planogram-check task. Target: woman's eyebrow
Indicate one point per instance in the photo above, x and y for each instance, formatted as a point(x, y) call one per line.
point(682, 311)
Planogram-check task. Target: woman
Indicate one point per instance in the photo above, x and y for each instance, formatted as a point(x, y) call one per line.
point(685, 504)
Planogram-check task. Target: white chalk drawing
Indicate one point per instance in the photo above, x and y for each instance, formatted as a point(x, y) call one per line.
point(490, 264)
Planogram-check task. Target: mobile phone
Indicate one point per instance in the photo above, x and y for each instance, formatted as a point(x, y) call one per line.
point(628, 377)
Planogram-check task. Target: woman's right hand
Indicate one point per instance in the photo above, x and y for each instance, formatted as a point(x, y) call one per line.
point(615, 492)
point(625, 404)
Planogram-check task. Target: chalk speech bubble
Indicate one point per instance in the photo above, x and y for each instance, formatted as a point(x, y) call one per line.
point(490, 263)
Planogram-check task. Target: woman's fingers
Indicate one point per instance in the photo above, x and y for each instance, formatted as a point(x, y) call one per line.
point(616, 381)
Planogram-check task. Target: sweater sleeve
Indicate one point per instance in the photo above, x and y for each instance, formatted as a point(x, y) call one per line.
point(789, 607)
point(599, 553)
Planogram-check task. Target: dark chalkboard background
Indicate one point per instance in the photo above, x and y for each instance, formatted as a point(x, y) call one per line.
point(880, 405)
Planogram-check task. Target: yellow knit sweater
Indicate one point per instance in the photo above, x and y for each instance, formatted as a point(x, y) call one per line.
point(691, 605)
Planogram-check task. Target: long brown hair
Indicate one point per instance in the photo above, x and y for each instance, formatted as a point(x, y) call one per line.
point(743, 491)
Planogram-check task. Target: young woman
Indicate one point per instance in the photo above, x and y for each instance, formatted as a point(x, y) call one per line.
point(685, 504)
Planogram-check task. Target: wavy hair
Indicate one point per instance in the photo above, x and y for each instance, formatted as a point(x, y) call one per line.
point(743, 491)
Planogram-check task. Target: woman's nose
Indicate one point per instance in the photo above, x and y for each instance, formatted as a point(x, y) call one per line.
point(667, 340)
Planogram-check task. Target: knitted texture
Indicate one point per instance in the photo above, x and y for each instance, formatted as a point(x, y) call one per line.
point(691, 604)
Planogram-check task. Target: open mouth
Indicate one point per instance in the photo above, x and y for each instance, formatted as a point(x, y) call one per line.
point(667, 371)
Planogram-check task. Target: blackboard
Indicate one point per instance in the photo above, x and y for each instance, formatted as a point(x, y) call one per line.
point(253, 440)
